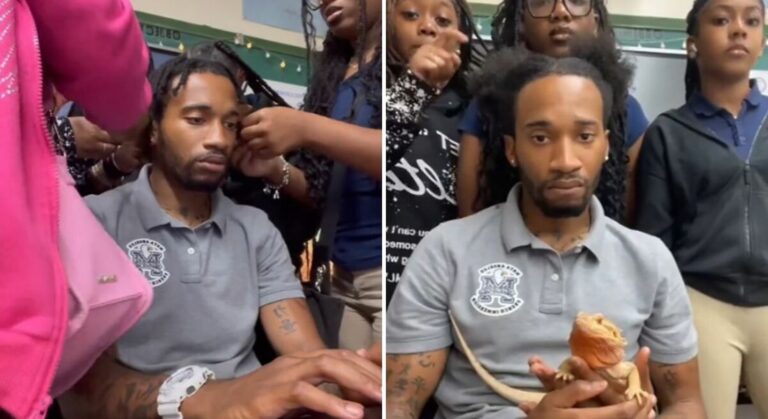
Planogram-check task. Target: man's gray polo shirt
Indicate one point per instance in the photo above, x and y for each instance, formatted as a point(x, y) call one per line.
point(209, 283)
point(514, 297)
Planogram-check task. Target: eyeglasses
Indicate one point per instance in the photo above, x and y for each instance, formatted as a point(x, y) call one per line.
point(314, 4)
point(542, 9)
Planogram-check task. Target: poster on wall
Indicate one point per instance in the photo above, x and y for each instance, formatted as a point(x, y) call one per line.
point(281, 14)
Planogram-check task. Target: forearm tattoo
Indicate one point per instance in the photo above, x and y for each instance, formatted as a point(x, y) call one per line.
point(408, 390)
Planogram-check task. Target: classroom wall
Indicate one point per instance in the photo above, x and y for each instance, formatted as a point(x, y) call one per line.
point(227, 15)
point(674, 9)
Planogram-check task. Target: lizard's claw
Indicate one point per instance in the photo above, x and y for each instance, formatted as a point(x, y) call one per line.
point(636, 394)
point(564, 376)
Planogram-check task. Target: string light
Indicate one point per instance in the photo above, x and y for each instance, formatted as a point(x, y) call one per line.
point(249, 45)
point(298, 69)
point(266, 54)
point(282, 65)
point(181, 46)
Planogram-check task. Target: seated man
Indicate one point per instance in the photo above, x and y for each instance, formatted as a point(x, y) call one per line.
point(216, 267)
point(515, 276)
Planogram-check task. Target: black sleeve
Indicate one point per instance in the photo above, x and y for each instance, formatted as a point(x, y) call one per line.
point(655, 202)
point(406, 98)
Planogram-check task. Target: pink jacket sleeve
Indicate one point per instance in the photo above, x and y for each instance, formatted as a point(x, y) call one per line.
point(94, 53)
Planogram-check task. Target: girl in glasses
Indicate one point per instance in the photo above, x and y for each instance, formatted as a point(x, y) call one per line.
point(340, 123)
point(702, 189)
point(547, 27)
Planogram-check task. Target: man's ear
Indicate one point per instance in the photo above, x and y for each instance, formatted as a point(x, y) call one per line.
point(509, 150)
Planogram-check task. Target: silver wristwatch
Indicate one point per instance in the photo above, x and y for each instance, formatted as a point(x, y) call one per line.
point(180, 385)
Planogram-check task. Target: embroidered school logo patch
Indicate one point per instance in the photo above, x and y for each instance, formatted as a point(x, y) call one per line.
point(148, 257)
point(497, 294)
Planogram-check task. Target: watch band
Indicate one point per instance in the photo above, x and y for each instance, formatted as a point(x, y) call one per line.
point(175, 389)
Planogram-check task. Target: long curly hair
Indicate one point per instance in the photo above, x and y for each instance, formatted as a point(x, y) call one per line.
point(692, 75)
point(506, 72)
point(327, 72)
point(496, 175)
point(472, 53)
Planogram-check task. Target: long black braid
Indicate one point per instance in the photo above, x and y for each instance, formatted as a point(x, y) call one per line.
point(496, 175)
point(692, 76)
point(472, 53)
point(327, 72)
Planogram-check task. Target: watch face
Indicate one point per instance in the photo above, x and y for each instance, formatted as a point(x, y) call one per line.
point(181, 376)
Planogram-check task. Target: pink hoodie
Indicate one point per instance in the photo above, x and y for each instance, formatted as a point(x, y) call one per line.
point(93, 51)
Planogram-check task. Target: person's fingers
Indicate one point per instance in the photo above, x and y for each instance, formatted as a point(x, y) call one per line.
point(365, 365)
point(647, 409)
point(266, 153)
point(251, 132)
point(450, 40)
point(364, 362)
point(543, 372)
point(455, 61)
point(625, 410)
point(105, 149)
point(581, 370)
point(253, 118)
point(104, 137)
point(347, 375)
point(577, 391)
point(435, 60)
point(642, 360)
point(305, 395)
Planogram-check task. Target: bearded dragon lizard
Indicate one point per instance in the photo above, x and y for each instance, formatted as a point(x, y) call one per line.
point(593, 338)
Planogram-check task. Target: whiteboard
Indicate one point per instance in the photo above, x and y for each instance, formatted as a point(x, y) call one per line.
point(659, 83)
point(659, 80)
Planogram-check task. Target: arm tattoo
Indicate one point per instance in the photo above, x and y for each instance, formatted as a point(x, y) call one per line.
point(670, 380)
point(280, 311)
point(426, 361)
point(408, 388)
point(288, 326)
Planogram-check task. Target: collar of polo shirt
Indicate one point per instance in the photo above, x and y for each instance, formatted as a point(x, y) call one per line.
point(152, 215)
point(515, 234)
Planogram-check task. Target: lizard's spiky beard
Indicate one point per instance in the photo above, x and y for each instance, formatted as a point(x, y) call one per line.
point(597, 341)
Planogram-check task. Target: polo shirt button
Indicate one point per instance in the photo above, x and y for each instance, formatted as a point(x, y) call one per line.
point(191, 251)
point(555, 277)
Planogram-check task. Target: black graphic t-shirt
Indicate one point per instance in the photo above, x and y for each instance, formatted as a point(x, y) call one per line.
point(422, 153)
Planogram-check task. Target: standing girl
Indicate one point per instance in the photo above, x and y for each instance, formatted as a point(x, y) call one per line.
point(340, 124)
point(427, 62)
point(703, 189)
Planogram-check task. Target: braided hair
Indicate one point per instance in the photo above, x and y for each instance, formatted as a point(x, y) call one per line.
point(471, 53)
point(496, 175)
point(327, 72)
point(182, 67)
point(500, 82)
